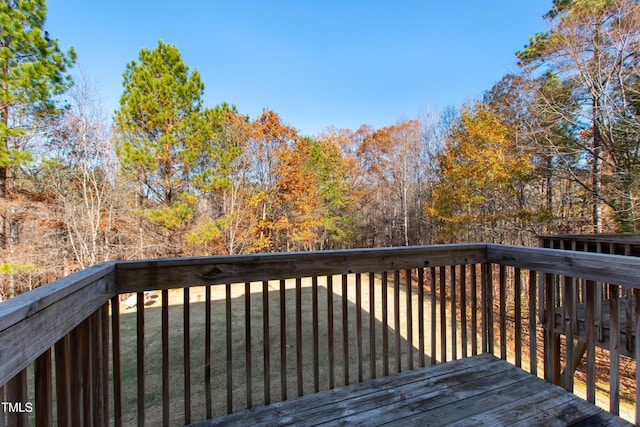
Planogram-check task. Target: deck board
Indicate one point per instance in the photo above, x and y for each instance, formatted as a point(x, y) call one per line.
point(480, 390)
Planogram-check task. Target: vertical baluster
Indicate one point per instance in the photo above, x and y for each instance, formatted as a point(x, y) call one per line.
point(345, 328)
point(207, 352)
point(17, 393)
point(75, 383)
point(614, 349)
point(550, 341)
point(636, 295)
point(489, 307)
point(140, 356)
point(104, 316)
point(396, 318)
point(598, 302)
point(463, 309)
point(627, 299)
point(454, 312)
point(3, 421)
point(186, 345)
point(432, 272)
point(314, 310)
point(485, 310)
point(266, 356)
point(359, 324)
point(474, 309)
point(63, 379)
point(283, 341)
point(385, 324)
point(165, 357)
point(87, 385)
point(372, 325)
point(97, 368)
point(503, 311)
point(330, 349)
point(590, 325)
point(248, 359)
point(421, 315)
point(568, 285)
point(533, 341)
point(409, 310)
point(576, 294)
point(517, 294)
point(443, 315)
point(229, 341)
point(299, 335)
point(44, 383)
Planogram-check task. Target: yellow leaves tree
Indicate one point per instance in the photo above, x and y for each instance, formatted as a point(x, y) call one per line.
point(482, 173)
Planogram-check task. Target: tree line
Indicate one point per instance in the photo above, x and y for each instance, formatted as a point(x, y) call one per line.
point(550, 149)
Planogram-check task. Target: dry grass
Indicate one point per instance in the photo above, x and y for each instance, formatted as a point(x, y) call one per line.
point(153, 361)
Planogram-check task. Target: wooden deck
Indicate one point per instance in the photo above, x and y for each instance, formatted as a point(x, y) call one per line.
point(480, 390)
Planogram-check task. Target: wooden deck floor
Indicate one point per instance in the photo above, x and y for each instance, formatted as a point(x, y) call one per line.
point(480, 390)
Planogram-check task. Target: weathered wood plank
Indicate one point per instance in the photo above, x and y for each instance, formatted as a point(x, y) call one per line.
point(516, 410)
point(140, 357)
point(618, 269)
point(116, 362)
point(17, 393)
point(471, 398)
point(207, 352)
point(63, 381)
point(301, 406)
point(372, 325)
point(283, 341)
point(29, 303)
point(44, 385)
point(572, 412)
point(52, 322)
point(480, 390)
point(299, 336)
point(247, 344)
point(165, 357)
point(133, 276)
point(433, 317)
point(421, 316)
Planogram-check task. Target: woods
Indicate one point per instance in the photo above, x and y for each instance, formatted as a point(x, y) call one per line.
point(552, 148)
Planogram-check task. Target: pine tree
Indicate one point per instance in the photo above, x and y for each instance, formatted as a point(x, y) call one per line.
point(33, 70)
point(160, 124)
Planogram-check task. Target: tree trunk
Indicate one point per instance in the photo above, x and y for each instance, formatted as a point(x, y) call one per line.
point(597, 168)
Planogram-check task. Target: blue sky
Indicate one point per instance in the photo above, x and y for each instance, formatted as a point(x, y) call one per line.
point(316, 63)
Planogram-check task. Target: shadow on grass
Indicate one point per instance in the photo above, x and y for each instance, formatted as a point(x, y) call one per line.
point(153, 347)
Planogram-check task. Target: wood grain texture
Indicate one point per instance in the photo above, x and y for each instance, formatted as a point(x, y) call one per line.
point(617, 269)
point(133, 276)
point(480, 390)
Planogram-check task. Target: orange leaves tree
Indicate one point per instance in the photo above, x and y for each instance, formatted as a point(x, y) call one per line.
point(482, 172)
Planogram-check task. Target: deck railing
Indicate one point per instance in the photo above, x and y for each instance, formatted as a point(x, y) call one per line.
point(232, 332)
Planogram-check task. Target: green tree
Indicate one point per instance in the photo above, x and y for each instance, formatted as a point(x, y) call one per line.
point(33, 70)
point(161, 131)
point(160, 126)
point(592, 47)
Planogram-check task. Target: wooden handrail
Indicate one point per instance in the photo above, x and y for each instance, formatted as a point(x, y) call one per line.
point(33, 322)
point(158, 274)
point(71, 316)
point(618, 269)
